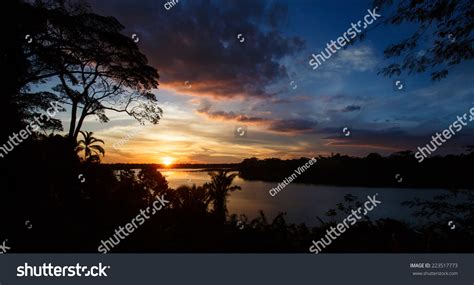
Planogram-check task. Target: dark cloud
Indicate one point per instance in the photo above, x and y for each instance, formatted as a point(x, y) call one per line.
point(276, 125)
point(228, 116)
point(293, 125)
point(197, 41)
point(351, 108)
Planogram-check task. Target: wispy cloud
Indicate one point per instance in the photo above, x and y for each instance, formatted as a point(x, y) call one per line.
point(353, 58)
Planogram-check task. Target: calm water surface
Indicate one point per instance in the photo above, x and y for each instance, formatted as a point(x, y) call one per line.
point(303, 203)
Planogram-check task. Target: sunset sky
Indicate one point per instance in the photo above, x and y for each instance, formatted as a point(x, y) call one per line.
point(232, 83)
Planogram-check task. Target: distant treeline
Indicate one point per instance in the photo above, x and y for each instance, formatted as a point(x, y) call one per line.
point(397, 170)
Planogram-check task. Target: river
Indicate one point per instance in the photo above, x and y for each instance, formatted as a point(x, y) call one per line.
point(303, 203)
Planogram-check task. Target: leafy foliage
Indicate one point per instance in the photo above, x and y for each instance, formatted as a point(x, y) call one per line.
point(92, 151)
point(219, 188)
point(97, 67)
point(442, 40)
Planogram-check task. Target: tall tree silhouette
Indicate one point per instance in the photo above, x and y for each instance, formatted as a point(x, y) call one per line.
point(92, 151)
point(23, 67)
point(97, 67)
point(442, 40)
point(219, 188)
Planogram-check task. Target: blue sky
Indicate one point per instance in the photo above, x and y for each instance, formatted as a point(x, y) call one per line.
point(232, 84)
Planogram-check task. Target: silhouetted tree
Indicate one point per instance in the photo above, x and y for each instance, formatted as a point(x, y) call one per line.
point(219, 188)
point(153, 181)
point(194, 199)
point(16, 111)
point(442, 40)
point(97, 67)
point(92, 151)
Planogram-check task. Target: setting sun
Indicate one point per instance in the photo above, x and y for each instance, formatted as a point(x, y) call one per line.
point(167, 161)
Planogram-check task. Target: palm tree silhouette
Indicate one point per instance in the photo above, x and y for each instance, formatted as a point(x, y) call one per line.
point(91, 150)
point(195, 198)
point(219, 188)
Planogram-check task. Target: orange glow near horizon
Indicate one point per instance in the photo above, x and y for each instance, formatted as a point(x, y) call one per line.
point(167, 161)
